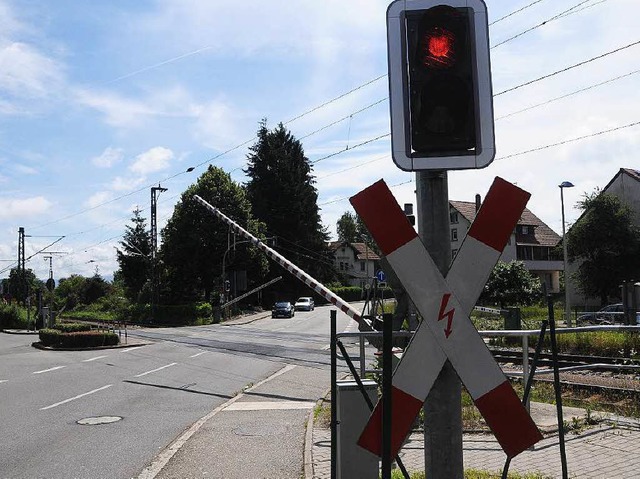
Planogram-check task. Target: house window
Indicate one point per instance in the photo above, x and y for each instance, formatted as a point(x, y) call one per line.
point(341, 266)
point(524, 229)
point(453, 217)
point(454, 234)
point(362, 266)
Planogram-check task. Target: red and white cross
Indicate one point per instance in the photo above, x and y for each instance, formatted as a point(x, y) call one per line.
point(446, 331)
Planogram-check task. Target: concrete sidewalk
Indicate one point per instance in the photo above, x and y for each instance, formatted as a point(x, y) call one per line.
point(259, 434)
point(606, 451)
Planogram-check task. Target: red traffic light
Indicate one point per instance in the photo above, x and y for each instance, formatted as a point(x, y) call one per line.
point(439, 48)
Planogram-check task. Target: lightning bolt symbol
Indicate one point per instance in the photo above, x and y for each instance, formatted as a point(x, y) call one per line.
point(449, 314)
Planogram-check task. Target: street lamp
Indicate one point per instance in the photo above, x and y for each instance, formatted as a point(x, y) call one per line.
point(567, 306)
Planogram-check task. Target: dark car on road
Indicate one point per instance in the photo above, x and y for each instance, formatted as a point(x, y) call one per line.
point(282, 309)
point(611, 314)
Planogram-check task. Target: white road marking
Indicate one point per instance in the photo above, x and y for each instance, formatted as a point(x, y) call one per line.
point(93, 359)
point(127, 350)
point(198, 354)
point(75, 397)
point(154, 370)
point(47, 370)
point(3, 380)
point(269, 405)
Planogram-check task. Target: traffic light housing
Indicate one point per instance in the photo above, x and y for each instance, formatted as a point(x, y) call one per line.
point(440, 84)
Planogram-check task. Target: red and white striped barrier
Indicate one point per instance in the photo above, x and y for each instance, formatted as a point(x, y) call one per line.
point(288, 265)
point(446, 331)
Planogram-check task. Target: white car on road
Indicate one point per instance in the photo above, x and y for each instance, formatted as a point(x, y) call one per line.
point(305, 303)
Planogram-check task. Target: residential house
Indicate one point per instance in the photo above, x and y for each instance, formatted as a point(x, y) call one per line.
point(532, 242)
point(625, 185)
point(356, 261)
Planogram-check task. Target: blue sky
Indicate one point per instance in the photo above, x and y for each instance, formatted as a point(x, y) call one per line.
point(99, 101)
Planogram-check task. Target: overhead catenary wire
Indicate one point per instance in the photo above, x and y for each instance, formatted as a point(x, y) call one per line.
point(575, 92)
point(549, 20)
point(572, 140)
point(515, 12)
point(570, 67)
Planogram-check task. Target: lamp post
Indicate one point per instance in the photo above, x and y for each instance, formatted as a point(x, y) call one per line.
point(567, 306)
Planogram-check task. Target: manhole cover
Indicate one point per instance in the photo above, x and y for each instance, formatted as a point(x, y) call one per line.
point(94, 421)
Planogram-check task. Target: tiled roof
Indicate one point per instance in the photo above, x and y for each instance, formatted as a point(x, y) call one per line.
point(362, 251)
point(542, 235)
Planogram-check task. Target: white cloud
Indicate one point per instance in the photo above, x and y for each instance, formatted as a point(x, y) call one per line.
point(122, 111)
point(118, 110)
point(155, 159)
point(27, 73)
point(26, 170)
point(219, 125)
point(108, 158)
point(121, 183)
point(98, 198)
point(23, 208)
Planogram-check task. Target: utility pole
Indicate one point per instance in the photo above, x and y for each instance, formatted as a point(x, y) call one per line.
point(22, 277)
point(155, 293)
point(443, 407)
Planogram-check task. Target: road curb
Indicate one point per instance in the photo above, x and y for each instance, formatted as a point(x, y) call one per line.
point(308, 442)
point(38, 345)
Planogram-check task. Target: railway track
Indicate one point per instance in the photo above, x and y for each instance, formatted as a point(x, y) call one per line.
point(595, 363)
point(595, 373)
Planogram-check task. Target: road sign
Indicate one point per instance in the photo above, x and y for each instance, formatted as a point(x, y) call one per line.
point(381, 276)
point(446, 331)
point(440, 91)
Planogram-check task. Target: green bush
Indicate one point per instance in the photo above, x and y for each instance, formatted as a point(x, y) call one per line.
point(49, 337)
point(10, 317)
point(72, 327)
point(77, 339)
point(204, 310)
point(88, 339)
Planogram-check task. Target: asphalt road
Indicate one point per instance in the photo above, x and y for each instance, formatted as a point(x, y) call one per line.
point(152, 393)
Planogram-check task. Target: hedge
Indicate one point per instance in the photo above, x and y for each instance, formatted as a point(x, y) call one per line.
point(78, 339)
point(72, 327)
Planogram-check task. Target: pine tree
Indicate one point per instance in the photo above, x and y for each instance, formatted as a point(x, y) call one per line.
point(134, 256)
point(283, 196)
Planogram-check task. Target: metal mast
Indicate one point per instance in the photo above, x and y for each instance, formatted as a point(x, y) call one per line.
point(155, 293)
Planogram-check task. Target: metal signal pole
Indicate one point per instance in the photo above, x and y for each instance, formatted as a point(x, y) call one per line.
point(155, 293)
point(443, 407)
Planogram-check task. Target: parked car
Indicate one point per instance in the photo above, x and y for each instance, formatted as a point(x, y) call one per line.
point(305, 303)
point(282, 309)
point(610, 314)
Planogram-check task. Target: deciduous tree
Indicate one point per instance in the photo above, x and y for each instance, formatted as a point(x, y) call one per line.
point(511, 284)
point(605, 244)
point(194, 241)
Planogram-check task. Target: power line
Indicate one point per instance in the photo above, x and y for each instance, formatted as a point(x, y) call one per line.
point(513, 13)
point(570, 140)
point(568, 94)
point(337, 200)
point(556, 17)
point(335, 99)
point(359, 165)
point(350, 148)
point(568, 68)
point(343, 118)
point(213, 158)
